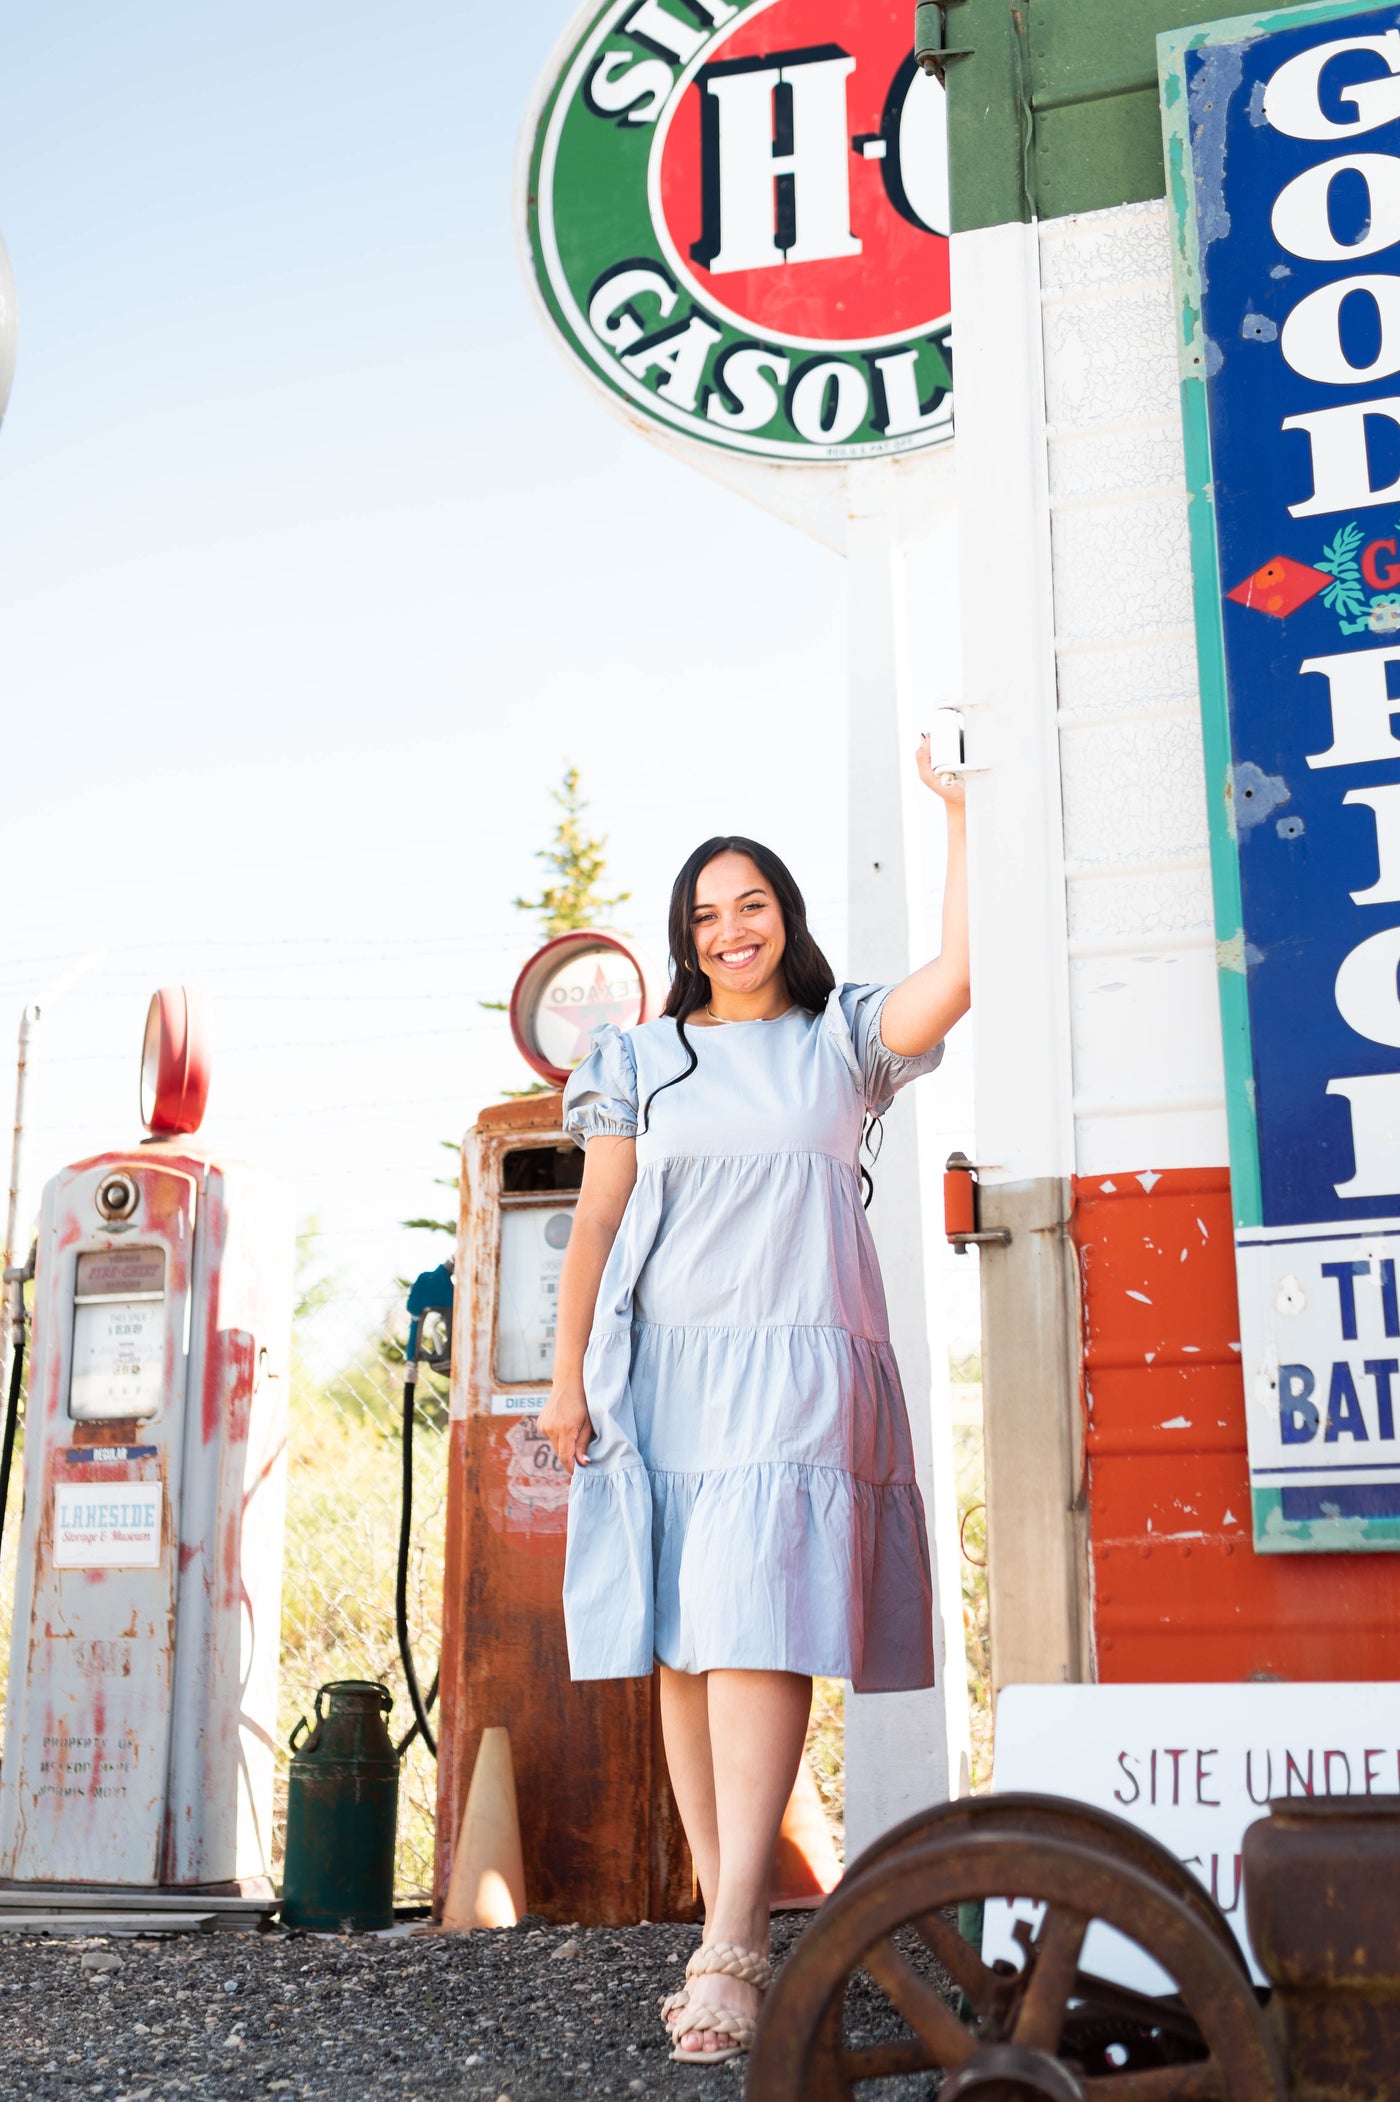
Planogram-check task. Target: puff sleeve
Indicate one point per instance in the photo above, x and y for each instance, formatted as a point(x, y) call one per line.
point(600, 1098)
point(883, 1072)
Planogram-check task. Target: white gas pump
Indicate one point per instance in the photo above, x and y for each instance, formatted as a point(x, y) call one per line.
point(141, 1708)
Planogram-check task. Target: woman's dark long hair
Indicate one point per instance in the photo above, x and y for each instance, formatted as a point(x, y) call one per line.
point(806, 972)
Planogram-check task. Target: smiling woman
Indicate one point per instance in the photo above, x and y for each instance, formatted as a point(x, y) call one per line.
point(743, 1508)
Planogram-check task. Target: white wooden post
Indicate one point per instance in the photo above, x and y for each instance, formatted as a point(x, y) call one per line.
point(903, 1750)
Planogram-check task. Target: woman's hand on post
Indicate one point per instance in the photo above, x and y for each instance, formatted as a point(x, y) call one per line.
point(946, 785)
point(566, 1423)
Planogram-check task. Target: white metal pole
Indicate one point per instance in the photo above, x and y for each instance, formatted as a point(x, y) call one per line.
point(903, 1750)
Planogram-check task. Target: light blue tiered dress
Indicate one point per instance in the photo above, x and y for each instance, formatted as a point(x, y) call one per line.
point(750, 1499)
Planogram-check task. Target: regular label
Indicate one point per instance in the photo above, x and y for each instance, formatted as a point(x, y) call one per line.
point(111, 1525)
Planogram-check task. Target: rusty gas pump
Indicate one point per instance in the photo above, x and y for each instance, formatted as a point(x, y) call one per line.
point(601, 1837)
point(141, 1712)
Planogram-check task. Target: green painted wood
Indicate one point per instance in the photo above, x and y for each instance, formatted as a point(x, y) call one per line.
point(1054, 109)
point(988, 119)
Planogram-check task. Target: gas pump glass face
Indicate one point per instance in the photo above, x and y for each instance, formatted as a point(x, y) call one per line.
point(533, 1240)
point(150, 1063)
point(597, 986)
point(118, 1335)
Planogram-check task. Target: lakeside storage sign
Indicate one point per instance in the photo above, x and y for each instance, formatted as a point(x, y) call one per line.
point(737, 219)
point(1283, 168)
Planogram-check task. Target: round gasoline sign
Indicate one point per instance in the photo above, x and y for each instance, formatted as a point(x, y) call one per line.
point(566, 989)
point(738, 220)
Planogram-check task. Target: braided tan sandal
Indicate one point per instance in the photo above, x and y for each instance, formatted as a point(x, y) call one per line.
point(747, 1964)
point(726, 1959)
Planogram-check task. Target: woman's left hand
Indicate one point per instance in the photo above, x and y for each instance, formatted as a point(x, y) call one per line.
point(947, 785)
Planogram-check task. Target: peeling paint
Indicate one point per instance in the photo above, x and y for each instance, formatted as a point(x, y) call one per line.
point(1218, 74)
point(1255, 794)
point(1259, 328)
point(1177, 1423)
point(1229, 953)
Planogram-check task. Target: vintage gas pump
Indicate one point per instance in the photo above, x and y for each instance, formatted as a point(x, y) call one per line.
point(602, 1841)
point(143, 1663)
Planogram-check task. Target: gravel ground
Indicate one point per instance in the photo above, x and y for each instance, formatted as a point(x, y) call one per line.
point(533, 2014)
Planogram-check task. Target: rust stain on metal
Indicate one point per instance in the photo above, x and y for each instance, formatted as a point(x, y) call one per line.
point(1322, 1896)
point(609, 1849)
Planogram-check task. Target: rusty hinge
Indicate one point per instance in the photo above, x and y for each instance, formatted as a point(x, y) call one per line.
point(961, 1210)
point(931, 47)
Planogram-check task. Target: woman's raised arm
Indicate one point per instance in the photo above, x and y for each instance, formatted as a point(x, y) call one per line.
point(924, 1006)
point(609, 1173)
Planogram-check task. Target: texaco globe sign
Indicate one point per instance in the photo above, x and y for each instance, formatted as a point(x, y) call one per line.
point(737, 218)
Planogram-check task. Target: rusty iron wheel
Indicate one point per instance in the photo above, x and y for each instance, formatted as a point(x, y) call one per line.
point(1019, 2043)
point(1057, 1817)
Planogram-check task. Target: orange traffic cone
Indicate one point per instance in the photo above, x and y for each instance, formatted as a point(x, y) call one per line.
point(487, 1886)
point(805, 1867)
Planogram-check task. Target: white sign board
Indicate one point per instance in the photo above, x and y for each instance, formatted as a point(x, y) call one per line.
point(1194, 1766)
point(1320, 1321)
point(108, 1525)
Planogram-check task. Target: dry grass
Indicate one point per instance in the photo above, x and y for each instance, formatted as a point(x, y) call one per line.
point(972, 1515)
point(826, 1753)
point(338, 1581)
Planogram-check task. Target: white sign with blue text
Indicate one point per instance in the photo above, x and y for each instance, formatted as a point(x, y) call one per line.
point(110, 1525)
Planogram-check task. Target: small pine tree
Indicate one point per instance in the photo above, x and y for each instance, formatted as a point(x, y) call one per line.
point(573, 900)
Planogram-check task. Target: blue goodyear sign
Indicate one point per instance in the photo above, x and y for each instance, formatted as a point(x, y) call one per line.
point(1283, 164)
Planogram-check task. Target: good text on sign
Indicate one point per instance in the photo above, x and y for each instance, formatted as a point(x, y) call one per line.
point(1284, 158)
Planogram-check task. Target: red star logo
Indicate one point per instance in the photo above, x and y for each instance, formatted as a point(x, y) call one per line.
point(600, 1004)
point(1280, 586)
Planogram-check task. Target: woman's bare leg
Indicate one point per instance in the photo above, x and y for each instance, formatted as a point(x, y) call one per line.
point(757, 1725)
point(685, 1729)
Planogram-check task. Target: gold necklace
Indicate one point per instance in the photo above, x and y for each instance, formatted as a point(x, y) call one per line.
point(725, 1020)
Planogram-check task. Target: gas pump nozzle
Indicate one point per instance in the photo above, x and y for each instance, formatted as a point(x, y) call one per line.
point(431, 1293)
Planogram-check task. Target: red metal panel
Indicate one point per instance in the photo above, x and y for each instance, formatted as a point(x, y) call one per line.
point(1178, 1592)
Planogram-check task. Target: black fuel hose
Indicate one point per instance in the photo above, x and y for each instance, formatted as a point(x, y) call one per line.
point(419, 1705)
point(7, 1449)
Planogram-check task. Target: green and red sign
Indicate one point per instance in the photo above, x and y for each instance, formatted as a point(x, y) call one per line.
point(737, 219)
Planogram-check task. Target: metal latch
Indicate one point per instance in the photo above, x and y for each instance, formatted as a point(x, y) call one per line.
point(961, 1209)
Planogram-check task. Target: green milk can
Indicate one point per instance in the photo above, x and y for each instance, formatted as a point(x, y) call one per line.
point(342, 1809)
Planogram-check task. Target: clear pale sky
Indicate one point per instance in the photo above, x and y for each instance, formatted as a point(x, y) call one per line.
point(317, 566)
